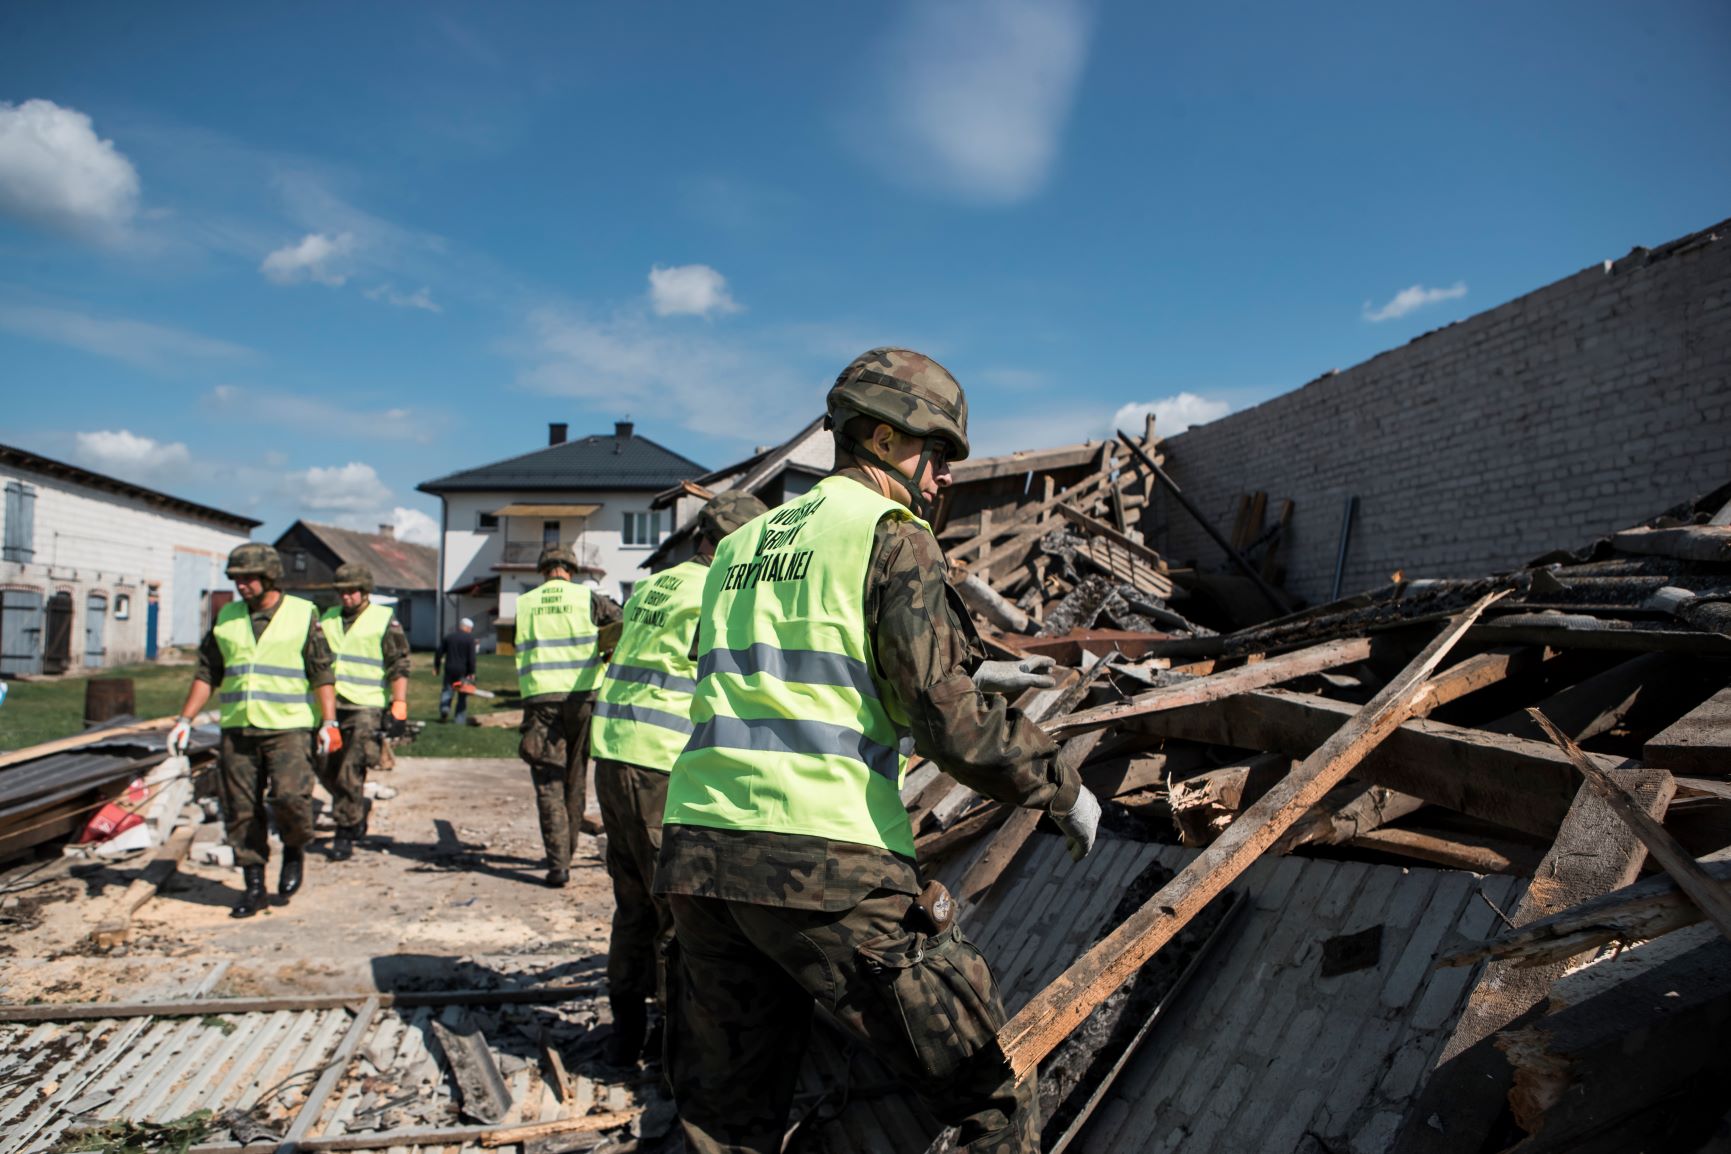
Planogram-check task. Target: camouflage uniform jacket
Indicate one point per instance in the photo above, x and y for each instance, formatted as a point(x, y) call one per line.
point(315, 657)
point(926, 651)
point(393, 646)
point(604, 611)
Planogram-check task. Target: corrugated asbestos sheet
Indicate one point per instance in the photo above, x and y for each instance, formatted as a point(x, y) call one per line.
point(1332, 1057)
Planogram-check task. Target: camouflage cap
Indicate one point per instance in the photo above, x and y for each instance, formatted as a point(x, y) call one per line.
point(351, 576)
point(254, 559)
point(905, 389)
point(727, 512)
point(557, 555)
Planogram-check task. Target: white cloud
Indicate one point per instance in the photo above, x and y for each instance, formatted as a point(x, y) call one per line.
point(55, 171)
point(689, 290)
point(134, 457)
point(302, 411)
point(350, 488)
point(972, 96)
point(422, 298)
point(317, 257)
point(1410, 299)
point(154, 347)
point(414, 526)
point(1172, 415)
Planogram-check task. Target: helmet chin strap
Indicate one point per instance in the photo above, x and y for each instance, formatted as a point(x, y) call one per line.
point(922, 506)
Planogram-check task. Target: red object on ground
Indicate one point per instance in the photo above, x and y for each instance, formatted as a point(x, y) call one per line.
point(117, 816)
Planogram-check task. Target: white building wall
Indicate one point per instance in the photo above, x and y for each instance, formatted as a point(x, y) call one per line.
point(87, 541)
point(470, 555)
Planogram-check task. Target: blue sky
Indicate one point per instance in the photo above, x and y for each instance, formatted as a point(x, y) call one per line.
point(294, 260)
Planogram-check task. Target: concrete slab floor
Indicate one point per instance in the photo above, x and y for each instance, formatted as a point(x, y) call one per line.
point(446, 891)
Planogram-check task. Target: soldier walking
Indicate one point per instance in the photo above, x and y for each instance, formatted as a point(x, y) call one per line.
point(267, 660)
point(642, 718)
point(559, 665)
point(371, 654)
point(829, 645)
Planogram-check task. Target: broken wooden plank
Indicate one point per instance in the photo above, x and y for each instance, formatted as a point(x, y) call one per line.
point(1598, 703)
point(1449, 852)
point(117, 922)
point(307, 1116)
point(1480, 671)
point(1699, 742)
point(453, 1136)
point(557, 1076)
point(93, 736)
point(1677, 862)
point(1064, 1004)
point(1284, 667)
point(1648, 909)
point(1521, 784)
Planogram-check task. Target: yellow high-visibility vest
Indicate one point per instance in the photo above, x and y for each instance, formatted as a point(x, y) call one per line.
point(790, 732)
point(555, 640)
point(264, 679)
point(359, 653)
point(643, 712)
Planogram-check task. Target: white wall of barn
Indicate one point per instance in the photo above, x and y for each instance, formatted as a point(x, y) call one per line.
point(89, 542)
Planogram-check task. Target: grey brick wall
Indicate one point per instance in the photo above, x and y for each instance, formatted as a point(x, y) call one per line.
point(1581, 408)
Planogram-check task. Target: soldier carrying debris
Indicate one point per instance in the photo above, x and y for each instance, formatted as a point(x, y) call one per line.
point(372, 670)
point(642, 719)
point(268, 660)
point(559, 664)
point(830, 645)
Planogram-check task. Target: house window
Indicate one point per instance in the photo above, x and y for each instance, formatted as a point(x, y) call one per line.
point(20, 522)
point(625, 588)
point(122, 606)
point(300, 562)
point(641, 529)
point(486, 522)
point(549, 534)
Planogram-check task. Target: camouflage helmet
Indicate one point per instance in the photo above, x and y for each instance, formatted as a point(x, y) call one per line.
point(255, 559)
point(904, 389)
point(351, 576)
point(727, 512)
point(557, 555)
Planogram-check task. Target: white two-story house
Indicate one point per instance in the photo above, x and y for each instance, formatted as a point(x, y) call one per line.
point(592, 493)
point(96, 571)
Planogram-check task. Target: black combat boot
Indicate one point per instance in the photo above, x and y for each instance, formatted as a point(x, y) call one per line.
point(288, 882)
point(630, 1022)
point(252, 898)
point(557, 877)
point(343, 845)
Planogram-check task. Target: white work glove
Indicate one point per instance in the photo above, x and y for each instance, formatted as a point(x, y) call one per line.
point(1080, 824)
point(1014, 676)
point(179, 737)
point(330, 739)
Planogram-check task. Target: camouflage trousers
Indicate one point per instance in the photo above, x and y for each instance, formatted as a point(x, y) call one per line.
point(344, 773)
point(741, 988)
point(555, 742)
point(632, 799)
point(266, 771)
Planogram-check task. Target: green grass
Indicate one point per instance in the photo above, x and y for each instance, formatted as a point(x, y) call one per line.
point(38, 711)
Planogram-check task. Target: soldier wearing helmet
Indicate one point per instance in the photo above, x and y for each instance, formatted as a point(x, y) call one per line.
point(372, 671)
point(267, 661)
point(642, 718)
point(830, 647)
point(559, 663)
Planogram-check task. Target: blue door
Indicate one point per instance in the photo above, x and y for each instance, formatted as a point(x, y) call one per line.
point(150, 617)
point(20, 631)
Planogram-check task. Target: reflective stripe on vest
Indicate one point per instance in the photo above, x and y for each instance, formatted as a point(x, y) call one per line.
point(264, 680)
point(359, 653)
point(555, 640)
point(643, 712)
point(790, 732)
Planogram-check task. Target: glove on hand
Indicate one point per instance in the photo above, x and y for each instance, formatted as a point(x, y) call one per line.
point(1080, 824)
point(179, 737)
point(396, 720)
point(1014, 676)
point(330, 739)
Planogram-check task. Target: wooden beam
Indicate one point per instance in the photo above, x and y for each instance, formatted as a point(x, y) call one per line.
point(1677, 861)
point(456, 1136)
point(1480, 671)
point(1450, 853)
point(1063, 1005)
point(94, 736)
point(117, 922)
point(1285, 667)
point(1698, 742)
point(81, 1011)
point(1598, 703)
point(1648, 909)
